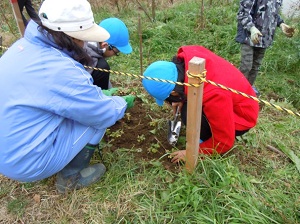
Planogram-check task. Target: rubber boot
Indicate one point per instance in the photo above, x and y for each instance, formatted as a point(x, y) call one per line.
point(78, 174)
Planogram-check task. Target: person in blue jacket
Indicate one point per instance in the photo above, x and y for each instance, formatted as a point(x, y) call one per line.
point(52, 117)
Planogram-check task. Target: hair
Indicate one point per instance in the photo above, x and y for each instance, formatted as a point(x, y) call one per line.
point(66, 42)
point(179, 89)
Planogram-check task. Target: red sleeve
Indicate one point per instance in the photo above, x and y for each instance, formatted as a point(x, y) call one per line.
point(218, 108)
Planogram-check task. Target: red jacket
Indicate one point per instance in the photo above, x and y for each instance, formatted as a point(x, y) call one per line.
point(226, 111)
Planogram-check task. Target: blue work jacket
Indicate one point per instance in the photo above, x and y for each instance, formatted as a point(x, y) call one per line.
point(48, 101)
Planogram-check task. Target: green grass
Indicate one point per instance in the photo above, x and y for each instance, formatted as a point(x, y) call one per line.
point(17, 206)
point(251, 184)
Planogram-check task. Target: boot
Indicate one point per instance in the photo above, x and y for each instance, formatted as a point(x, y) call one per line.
point(77, 173)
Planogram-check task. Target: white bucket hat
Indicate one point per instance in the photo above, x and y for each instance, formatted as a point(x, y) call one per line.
point(74, 18)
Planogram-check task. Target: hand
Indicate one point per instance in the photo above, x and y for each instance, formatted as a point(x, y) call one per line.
point(178, 156)
point(287, 30)
point(129, 100)
point(110, 92)
point(255, 34)
point(175, 105)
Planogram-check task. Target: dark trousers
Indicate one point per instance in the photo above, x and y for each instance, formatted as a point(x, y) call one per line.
point(101, 78)
point(205, 132)
point(251, 59)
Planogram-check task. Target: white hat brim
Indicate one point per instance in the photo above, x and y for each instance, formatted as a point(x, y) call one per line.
point(93, 34)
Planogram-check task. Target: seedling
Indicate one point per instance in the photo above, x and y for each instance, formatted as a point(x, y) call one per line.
point(141, 138)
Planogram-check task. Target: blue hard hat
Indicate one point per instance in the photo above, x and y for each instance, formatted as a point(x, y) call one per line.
point(161, 70)
point(119, 35)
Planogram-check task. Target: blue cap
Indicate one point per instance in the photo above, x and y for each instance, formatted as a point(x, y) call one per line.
point(161, 70)
point(119, 36)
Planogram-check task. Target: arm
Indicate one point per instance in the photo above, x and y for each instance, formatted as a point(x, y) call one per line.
point(73, 96)
point(279, 20)
point(287, 30)
point(244, 16)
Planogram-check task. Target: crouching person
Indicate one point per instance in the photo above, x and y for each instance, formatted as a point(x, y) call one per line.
point(52, 116)
point(225, 114)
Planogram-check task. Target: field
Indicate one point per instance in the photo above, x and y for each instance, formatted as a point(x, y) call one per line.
point(256, 182)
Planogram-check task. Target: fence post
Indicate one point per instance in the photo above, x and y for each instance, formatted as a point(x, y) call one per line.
point(194, 113)
point(18, 16)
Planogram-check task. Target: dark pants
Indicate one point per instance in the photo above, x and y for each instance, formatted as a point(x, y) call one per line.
point(101, 78)
point(205, 132)
point(251, 59)
point(30, 10)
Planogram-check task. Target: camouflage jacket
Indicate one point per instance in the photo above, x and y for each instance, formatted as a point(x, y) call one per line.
point(264, 15)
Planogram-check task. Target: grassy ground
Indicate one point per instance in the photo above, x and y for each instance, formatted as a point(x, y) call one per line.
point(256, 182)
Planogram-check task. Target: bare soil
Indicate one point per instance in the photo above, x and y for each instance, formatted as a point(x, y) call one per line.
point(144, 133)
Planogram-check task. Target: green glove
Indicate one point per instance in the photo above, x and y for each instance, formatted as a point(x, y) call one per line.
point(129, 100)
point(110, 92)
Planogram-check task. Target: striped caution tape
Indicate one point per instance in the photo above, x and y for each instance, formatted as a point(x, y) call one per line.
point(202, 78)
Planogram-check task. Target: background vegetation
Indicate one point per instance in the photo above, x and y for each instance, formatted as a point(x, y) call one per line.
point(256, 182)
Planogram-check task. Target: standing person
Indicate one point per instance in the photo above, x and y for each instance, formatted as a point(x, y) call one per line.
point(29, 9)
point(225, 115)
point(257, 21)
point(118, 42)
point(52, 116)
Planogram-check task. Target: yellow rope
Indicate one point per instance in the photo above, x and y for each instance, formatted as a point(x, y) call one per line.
point(202, 78)
point(4, 48)
point(248, 96)
point(143, 77)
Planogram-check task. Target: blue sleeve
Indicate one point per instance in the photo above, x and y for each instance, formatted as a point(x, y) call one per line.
point(72, 95)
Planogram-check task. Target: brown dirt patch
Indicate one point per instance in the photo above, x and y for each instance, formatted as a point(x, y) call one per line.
point(144, 133)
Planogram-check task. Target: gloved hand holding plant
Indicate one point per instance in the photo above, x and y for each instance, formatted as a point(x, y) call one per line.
point(110, 92)
point(287, 30)
point(129, 100)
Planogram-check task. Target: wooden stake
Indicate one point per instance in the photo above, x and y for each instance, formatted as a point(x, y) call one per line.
point(141, 44)
point(18, 16)
point(153, 10)
point(194, 113)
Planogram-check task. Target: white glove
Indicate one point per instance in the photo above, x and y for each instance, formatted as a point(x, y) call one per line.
point(255, 34)
point(287, 30)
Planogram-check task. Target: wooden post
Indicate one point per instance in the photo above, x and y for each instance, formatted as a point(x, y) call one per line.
point(202, 15)
point(18, 16)
point(141, 44)
point(153, 10)
point(194, 113)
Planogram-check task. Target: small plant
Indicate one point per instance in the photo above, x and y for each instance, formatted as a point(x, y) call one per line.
point(145, 98)
point(141, 138)
point(154, 148)
point(158, 124)
point(116, 134)
point(127, 117)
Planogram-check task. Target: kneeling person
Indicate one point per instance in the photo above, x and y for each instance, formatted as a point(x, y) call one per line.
point(225, 114)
